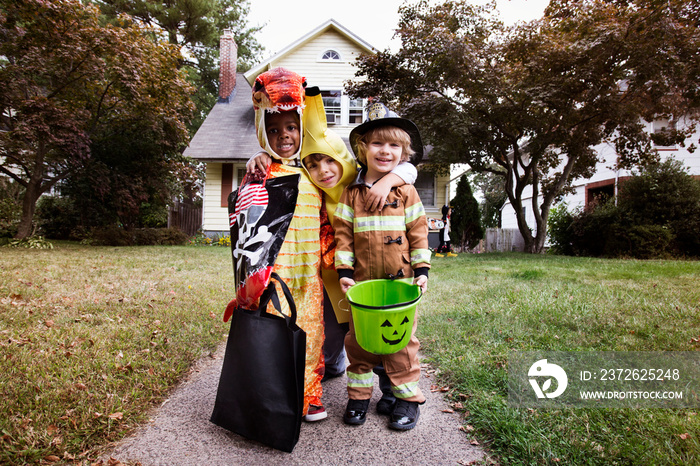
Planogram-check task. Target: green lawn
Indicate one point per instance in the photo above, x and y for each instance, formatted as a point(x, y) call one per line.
point(91, 337)
point(483, 308)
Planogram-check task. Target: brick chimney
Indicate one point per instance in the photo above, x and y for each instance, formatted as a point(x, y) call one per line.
point(228, 56)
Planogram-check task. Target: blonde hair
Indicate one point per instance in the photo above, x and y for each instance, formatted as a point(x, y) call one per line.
point(385, 134)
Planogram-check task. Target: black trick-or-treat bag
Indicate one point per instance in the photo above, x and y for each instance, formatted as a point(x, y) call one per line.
point(261, 389)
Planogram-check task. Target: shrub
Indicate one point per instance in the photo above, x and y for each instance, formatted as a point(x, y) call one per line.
point(10, 207)
point(111, 236)
point(172, 236)
point(591, 230)
point(559, 230)
point(465, 223)
point(665, 194)
point(159, 236)
point(56, 217)
point(646, 241)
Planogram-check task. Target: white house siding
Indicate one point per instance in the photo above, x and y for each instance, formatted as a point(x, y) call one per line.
point(326, 74)
point(215, 217)
point(604, 172)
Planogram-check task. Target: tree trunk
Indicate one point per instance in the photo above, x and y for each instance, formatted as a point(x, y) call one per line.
point(533, 244)
point(31, 195)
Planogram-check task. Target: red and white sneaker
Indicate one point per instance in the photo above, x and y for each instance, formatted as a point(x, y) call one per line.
point(315, 413)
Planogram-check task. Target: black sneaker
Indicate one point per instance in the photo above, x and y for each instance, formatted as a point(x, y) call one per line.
point(356, 412)
point(386, 404)
point(405, 415)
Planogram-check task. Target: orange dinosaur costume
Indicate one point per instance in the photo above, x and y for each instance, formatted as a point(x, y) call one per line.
point(297, 258)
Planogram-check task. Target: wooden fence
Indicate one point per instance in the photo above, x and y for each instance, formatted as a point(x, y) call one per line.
point(186, 217)
point(504, 240)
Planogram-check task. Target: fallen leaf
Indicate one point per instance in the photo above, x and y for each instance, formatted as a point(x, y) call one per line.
point(469, 428)
point(117, 415)
point(448, 410)
point(113, 462)
point(684, 436)
point(49, 323)
point(474, 442)
point(52, 458)
point(458, 405)
point(80, 386)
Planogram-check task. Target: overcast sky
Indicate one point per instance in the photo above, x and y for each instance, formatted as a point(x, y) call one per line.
point(372, 20)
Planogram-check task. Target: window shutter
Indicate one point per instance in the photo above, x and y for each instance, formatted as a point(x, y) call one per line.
point(226, 182)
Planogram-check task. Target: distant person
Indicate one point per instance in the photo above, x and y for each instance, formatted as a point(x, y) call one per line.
point(444, 248)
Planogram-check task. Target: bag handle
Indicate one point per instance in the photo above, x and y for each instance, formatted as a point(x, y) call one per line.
point(246, 179)
point(271, 294)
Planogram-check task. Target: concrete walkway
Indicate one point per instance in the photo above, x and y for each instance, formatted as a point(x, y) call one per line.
point(180, 433)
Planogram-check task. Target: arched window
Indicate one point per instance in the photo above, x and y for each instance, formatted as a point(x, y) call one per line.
point(330, 55)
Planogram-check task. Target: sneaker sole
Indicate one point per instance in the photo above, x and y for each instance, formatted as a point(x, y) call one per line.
point(316, 417)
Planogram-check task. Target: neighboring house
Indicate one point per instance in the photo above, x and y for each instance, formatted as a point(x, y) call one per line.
point(606, 180)
point(226, 140)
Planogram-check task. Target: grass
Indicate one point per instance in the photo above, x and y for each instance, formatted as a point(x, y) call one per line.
point(483, 308)
point(92, 337)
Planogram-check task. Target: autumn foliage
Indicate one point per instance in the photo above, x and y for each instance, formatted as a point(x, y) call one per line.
point(68, 79)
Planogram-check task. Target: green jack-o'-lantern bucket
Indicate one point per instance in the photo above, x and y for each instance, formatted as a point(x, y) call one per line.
point(383, 312)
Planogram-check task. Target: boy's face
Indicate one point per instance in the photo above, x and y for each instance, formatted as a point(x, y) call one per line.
point(382, 156)
point(325, 173)
point(282, 130)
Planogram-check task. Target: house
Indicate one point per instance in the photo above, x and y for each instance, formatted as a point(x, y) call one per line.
point(226, 140)
point(606, 180)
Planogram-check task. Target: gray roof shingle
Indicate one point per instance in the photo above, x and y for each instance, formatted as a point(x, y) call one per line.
point(228, 132)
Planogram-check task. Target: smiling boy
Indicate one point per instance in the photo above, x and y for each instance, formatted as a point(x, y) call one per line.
point(391, 243)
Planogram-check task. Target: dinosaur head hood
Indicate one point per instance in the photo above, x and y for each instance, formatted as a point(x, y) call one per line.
point(277, 90)
point(318, 139)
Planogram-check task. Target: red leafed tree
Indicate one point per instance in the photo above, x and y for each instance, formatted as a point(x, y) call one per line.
point(66, 77)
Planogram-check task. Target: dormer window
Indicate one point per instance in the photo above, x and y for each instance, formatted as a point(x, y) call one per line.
point(330, 55)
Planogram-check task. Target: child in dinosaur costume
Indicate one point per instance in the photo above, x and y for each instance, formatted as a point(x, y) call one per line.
point(278, 100)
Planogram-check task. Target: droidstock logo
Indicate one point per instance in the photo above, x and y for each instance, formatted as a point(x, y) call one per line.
point(544, 370)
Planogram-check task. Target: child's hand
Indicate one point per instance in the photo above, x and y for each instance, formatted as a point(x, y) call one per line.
point(259, 161)
point(346, 283)
point(422, 281)
point(377, 194)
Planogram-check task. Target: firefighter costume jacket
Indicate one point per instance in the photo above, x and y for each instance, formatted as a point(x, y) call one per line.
point(391, 243)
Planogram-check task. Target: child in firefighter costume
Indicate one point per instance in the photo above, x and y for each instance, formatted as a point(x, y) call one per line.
point(390, 244)
point(278, 100)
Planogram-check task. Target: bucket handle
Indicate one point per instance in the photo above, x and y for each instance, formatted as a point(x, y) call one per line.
point(366, 306)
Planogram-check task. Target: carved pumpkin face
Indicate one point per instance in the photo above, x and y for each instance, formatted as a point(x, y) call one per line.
point(394, 334)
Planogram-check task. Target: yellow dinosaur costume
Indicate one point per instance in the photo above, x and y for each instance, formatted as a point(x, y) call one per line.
point(319, 140)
